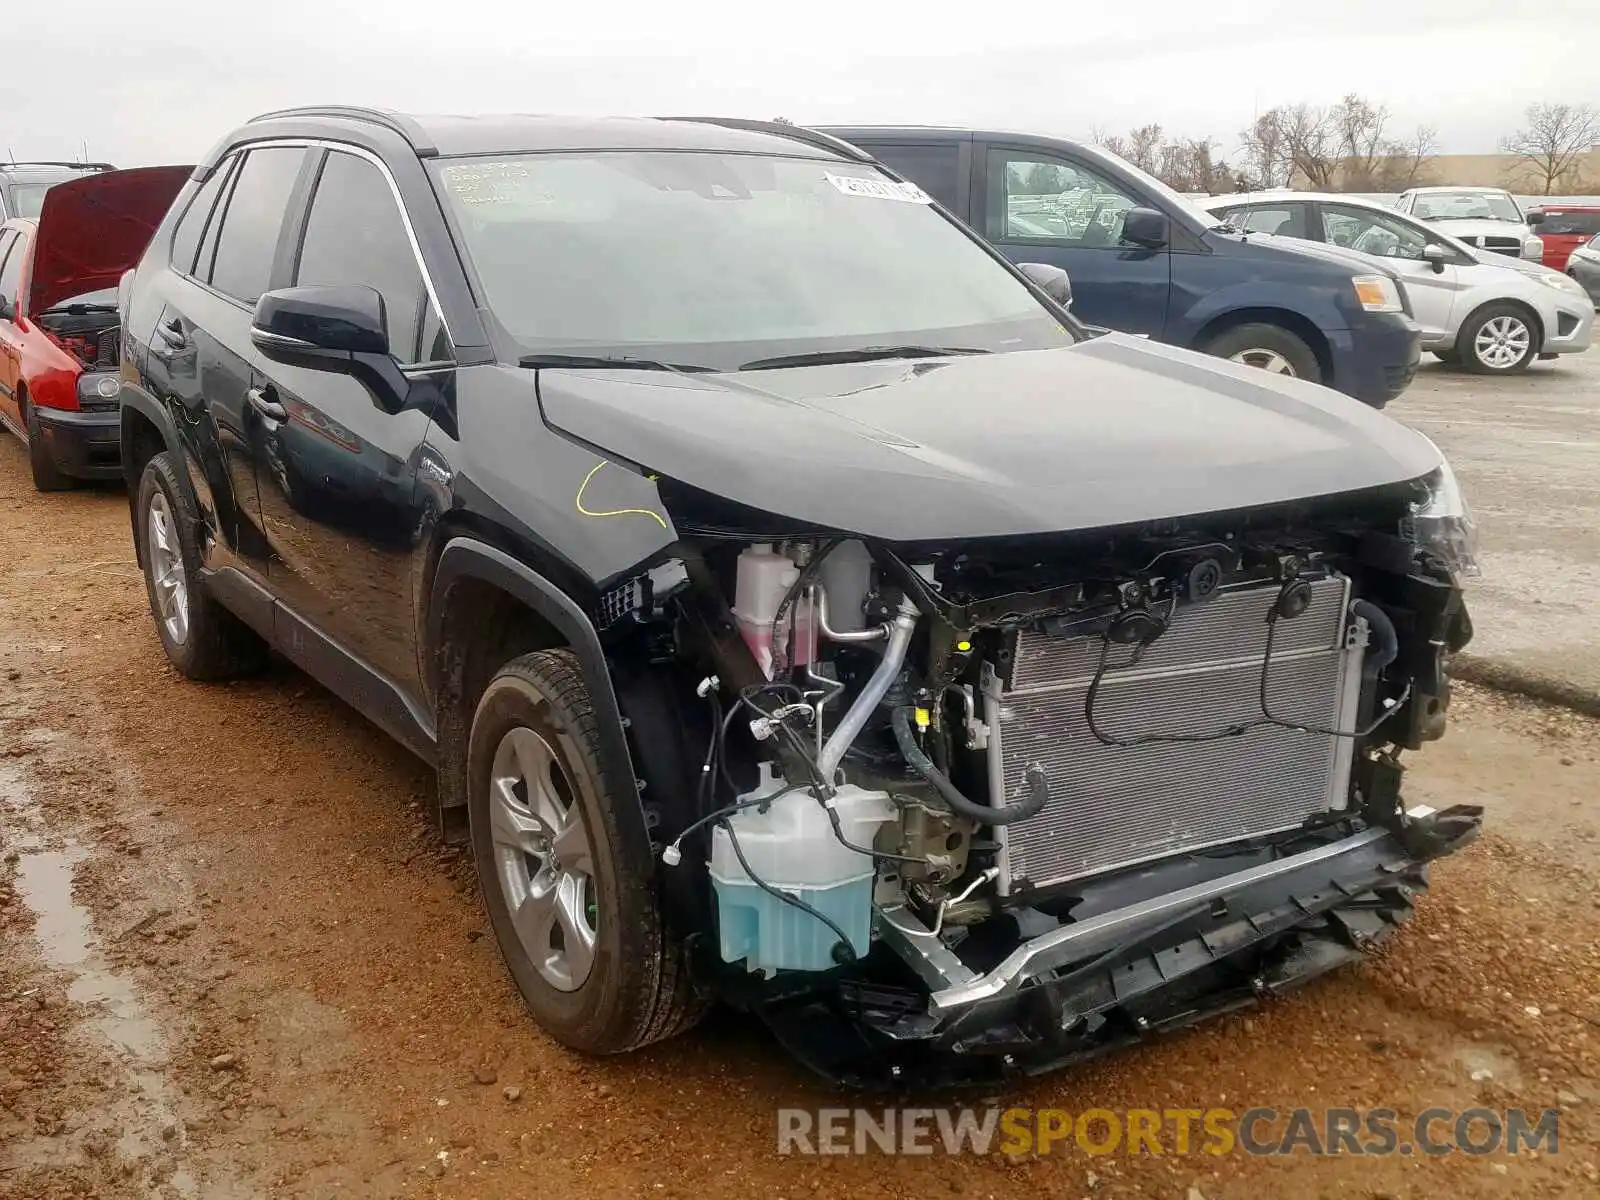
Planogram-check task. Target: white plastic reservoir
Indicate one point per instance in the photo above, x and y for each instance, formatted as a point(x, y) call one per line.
point(792, 847)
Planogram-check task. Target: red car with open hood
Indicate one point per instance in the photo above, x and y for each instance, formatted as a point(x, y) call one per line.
point(60, 340)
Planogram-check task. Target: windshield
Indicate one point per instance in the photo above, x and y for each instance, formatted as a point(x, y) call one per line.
point(1469, 206)
point(1569, 224)
point(28, 198)
point(717, 260)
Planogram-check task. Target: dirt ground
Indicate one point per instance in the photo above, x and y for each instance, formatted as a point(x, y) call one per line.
point(234, 964)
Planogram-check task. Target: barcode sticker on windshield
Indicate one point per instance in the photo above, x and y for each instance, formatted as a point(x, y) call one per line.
point(880, 189)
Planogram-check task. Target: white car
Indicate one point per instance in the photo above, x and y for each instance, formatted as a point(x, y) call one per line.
point(1491, 313)
point(1483, 217)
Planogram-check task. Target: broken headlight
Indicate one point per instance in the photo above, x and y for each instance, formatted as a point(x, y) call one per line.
point(1441, 524)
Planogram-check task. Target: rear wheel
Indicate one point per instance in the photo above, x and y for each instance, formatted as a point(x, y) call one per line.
point(565, 866)
point(47, 477)
point(1498, 339)
point(1268, 347)
point(202, 639)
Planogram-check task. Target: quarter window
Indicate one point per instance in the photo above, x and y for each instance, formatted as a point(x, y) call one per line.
point(186, 238)
point(355, 235)
point(1041, 200)
point(253, 221)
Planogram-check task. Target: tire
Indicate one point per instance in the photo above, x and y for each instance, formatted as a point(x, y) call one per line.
point(47, 477)
point(632, 985)
point(1509, 337)
point(209, 642)
point(1270, 347)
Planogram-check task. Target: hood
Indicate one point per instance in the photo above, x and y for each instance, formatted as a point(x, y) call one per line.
point(1522, 266)
point(1476, 227)
point(1115, 430)
point(1349, 261)
point(93, 229)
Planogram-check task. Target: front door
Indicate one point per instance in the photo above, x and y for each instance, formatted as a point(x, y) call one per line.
point(335, 471)
point(1040, 207)
point(1434, 288)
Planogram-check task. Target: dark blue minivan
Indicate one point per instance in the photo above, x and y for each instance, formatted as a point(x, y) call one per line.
point(1143, 259)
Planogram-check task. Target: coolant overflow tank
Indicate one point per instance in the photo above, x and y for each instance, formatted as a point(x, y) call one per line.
point(791, 846)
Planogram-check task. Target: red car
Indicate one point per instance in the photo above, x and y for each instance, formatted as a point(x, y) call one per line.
point(1563, 229)
point(60, 379)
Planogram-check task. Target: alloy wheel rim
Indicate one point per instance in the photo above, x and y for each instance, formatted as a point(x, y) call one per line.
point(1502, 342)
point(167, 576)
point(1265, 360)
point(543, 861)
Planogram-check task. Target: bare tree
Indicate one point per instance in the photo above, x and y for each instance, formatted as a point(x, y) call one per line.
point(1313, 142)
point(1267, 159)
point(1406, 164)
point(1549, 146)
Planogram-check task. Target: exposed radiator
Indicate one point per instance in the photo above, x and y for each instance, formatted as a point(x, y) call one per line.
point(1114, 806)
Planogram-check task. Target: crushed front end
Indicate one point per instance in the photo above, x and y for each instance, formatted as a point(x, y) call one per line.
point(965, 811)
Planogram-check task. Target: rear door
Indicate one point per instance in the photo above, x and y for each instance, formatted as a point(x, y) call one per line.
point(336, 473)
point(13, 247)
point(226, 249)
point(1042, 206)
point(1434, 290)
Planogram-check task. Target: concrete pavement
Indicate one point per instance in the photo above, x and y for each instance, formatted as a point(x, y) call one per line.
point(1527, 452)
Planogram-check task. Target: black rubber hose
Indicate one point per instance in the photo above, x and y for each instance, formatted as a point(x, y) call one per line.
point(1388, 647)
point(983, 814)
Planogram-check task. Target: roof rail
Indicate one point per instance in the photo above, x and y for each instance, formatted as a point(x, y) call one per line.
point(50, 162)
point(797, 133)
point(398, 122)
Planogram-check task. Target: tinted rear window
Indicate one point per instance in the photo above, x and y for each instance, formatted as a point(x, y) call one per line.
point(1585, 224)
point(935, 167)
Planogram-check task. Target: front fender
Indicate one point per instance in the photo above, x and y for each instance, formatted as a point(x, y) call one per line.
point(469, 558)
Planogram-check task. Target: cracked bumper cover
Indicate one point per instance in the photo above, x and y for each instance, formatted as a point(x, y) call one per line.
point(1128, 964)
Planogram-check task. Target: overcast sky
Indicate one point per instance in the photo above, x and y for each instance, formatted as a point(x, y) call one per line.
point(159, 80)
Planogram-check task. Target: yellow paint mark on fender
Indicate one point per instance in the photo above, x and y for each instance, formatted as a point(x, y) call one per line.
point(614, 512)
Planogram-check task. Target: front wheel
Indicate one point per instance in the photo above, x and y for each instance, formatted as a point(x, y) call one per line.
point(566, 869)
point(1268, 347)
point(47, 477)
point(1499, 339)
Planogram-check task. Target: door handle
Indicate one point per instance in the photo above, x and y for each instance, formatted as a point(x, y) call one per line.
point(261, 400)
point(171, 332)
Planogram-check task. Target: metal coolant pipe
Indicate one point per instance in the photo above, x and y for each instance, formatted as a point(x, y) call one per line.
point(855, 720)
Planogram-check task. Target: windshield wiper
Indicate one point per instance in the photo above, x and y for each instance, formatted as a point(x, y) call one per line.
point(608, 362)
point(819, 358)
point(76, 310)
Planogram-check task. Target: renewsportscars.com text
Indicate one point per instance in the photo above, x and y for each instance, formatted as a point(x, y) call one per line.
point(1166, 1131)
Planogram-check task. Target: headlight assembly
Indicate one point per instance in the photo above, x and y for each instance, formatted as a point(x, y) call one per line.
point(1441, 524)
point(1561, 283)
point(1377, 293)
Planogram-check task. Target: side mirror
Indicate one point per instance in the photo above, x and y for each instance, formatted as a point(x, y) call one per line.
point(1052, 281)
point(1437, 255)
point(1146, 227)
point(332, 328)
point(335, 320)
point(1536, 216)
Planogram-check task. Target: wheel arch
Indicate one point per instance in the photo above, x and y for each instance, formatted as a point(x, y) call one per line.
point(1287, 319)
point(146, 430)
point(1522, 306)
point(481, 587)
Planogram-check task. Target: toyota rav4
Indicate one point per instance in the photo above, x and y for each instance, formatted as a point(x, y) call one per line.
point(800, 607)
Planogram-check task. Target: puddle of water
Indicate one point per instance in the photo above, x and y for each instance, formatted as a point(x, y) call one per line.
point(67, 943)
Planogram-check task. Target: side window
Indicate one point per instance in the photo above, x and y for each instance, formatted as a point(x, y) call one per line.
point(12, 253)
point(192, 225)
point(253, 221)
point(1034, 199)
point(355, 235)
point(1371, 232)
point(1285, 220)
point(934, 166)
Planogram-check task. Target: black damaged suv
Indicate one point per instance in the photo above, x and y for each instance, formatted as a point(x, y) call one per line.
point(799, 605)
